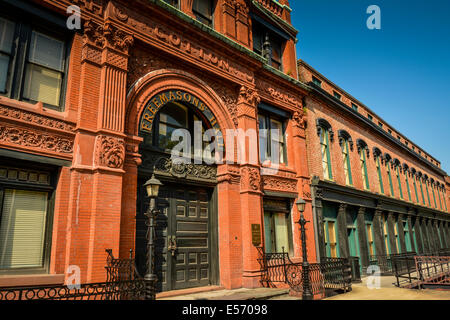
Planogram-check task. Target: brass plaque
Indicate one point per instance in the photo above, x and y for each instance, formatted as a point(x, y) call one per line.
point(256, 234)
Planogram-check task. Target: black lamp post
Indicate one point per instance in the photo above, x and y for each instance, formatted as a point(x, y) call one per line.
point(152, 189)
point(307, 294)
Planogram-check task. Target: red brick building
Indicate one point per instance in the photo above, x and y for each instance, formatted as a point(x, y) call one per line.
point(374, 191)
point(85, 117)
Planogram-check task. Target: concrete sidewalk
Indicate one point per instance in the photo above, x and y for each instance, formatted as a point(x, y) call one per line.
point(237, 294)
point(388, 291)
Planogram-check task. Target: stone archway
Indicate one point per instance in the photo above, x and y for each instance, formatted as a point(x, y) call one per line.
point(144, 100)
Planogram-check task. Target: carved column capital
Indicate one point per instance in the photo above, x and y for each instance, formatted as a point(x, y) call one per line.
point(250, 180)
point(110, 152)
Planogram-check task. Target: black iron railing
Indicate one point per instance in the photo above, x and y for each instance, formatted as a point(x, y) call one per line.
point(332, 274)
point(122, 283)
point(383, 262)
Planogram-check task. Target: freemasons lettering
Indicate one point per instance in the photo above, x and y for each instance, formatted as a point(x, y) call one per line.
point(165, 97)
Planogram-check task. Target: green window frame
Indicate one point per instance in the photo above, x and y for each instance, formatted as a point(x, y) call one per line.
point(415, 189)
point(444, 200)
point(380, 178)
point(391, 186)
point(387, 244)
point(364, 173)
point(407, 236)
point(346, 161)
point(434, 197)
point(370, 239)
point(413, 229)
point(399, 182)
point(421, 190)
point(325, 151)
point(407, 185)
point(428, 194)
point(331, 238)
point(439, 196)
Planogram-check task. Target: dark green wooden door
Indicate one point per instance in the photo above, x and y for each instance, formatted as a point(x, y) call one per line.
point(183, 246)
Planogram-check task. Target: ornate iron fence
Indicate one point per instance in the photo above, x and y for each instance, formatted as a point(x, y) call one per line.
point(433, 272)
point(122, 283)
point(330, 275)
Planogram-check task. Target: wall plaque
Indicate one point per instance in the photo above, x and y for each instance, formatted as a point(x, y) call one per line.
point(256, 234)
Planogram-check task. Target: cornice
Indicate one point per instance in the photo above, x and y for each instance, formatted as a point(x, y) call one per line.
point(314, 90)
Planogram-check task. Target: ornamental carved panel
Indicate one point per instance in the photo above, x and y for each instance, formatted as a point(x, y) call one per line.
point(35, 139)
point(250, 179)
point(162, 164)
point(110, 152)
point(279, 184)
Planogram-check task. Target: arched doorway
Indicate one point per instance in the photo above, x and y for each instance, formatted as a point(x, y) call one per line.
point(187, 244)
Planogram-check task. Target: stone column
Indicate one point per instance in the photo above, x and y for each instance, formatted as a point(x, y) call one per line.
point(418, 231)
point(344, 249)
point(411, 234)
point(401, 234)
point(423, 227)
point(251, 195)
point(362, 237)
point(380, 248)
point(391, 232)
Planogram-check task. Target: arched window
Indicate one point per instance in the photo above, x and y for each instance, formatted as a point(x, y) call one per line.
point(407, 173)
point(346, 143)
point(427, 181)
point(326, 135)
point(420, 176)
point(432, 190)
point(377, 156)
point(414, 177)
point(397, 167)
point(173, 116)
point(364, 152)
point(388, 160)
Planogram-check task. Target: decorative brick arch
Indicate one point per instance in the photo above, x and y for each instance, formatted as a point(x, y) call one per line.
point(159, 81)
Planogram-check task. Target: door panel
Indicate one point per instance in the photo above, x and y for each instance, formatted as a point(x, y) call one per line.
point(184, 222)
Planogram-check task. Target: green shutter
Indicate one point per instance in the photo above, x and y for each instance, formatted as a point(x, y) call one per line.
point(365, 169)
point(407, 186)
point(399, 183)
point(330, 173)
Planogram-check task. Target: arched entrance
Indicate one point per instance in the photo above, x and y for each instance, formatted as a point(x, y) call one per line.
point(187, 245)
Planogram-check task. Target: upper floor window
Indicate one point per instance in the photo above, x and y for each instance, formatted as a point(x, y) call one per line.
point(203, 10)
point(32, 63)
point(346, 143)
point(325, 135)
point(377, 155)
point(406, 172)
point(363, 150)
point(336, 95)
point(316, 81)
point(268, 44)
point(370, 117)
point(272, 143)
point(388, 161)
point(397, 173)
point(354, 107)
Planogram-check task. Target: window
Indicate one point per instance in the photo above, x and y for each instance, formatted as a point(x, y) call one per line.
point(407, 236)
point(386, 234)
point(317, 82)
point(354, 107)
point(397, 238)
point(203, 10)
point(25, 196)
point(370, 239)
point(399, 138)
point(173, 116)
point(439, 196)
point(326, 159)
point(34, 70)
point(346, 160)
point(278, 233)
point(407, 184)
point(363, 162)
point(272, 144)
point(331, 245)
point(444, 199)
point(428, 193)
point(434, 196)
point(397, 172)
point(370, 117)
point(391, 186)
point(336, 95)
point(380, 178)
point(173, 3)
point(263, 35)
point(380, 124)
point(390, 131)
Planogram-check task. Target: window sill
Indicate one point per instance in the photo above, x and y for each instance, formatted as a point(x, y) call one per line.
point(31, 280)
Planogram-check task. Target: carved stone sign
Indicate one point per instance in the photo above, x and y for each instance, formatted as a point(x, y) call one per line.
point(256, 234)
point(163, 98)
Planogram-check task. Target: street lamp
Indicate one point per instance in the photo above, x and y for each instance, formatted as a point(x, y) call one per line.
point(307, 294)
point(152, 189)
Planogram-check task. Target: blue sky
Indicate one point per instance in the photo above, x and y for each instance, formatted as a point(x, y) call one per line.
point(401, 72)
